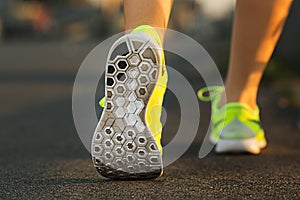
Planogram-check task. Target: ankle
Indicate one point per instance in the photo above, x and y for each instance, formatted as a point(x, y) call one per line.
point(246, 96)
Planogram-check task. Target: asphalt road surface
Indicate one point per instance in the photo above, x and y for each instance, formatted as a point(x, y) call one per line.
point(42, 157)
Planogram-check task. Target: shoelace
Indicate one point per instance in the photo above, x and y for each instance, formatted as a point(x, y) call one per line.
point(209, 93)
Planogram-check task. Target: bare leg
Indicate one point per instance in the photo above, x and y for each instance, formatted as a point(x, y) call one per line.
point(147, 12)
point(257, 27)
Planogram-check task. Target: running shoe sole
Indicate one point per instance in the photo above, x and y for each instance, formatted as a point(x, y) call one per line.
point(244, 145)
point(123, 147)
point(250, 145)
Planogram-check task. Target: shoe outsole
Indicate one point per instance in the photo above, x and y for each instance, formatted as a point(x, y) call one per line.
point(249, 145)
point(123, 147)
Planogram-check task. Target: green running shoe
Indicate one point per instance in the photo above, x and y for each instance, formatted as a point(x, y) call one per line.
point(235, 127)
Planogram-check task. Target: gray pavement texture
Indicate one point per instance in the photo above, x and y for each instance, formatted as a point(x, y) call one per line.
point(41, 156)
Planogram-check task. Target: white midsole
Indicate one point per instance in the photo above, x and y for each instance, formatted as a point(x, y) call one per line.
point(250, 145)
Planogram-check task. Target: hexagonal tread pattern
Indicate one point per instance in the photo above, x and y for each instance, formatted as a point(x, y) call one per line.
point(123, 146)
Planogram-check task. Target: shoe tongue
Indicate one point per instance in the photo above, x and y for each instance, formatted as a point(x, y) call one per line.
point(150, 31)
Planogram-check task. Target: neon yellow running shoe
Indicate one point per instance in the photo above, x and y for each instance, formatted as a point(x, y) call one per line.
point(126, 143)
point(235, 127)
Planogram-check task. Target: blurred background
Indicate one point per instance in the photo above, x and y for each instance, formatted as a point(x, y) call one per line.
point(44, 42)
point(28, 27)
